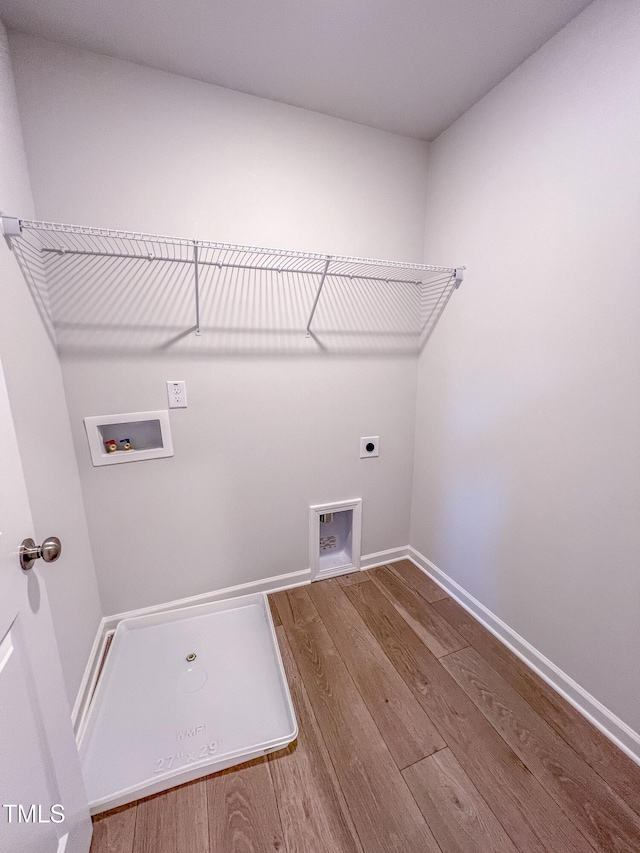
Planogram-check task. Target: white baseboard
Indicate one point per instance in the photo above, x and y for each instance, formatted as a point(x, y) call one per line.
point(272, 584)
point(605, 720)
point(369, 561)
point(381, 558)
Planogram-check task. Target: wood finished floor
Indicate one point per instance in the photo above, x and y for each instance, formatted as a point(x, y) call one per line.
point(419, 733)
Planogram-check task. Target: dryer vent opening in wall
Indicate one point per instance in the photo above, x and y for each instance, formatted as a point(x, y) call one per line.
point(334, 538)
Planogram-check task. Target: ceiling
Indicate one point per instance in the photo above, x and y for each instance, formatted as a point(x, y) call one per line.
point(407, 66)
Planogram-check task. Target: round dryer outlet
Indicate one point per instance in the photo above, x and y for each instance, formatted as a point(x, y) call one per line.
point(369, 446)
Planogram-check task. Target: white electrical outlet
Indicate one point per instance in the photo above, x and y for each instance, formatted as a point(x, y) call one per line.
point(369, 446)
point(177, 393)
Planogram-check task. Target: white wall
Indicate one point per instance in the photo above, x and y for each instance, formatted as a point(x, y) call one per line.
point(526, 486)
point(37, 398)
point(274, 419)
point(526, 451)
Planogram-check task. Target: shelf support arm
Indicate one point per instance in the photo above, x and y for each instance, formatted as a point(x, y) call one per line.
point(196, 277)
point(10, 227)
point(318, 292)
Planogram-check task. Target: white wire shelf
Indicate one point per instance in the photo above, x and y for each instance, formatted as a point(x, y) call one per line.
point(33, 242)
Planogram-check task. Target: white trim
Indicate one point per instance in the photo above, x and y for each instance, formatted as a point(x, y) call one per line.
point(601, 717)
point(381, 558)
point(99, 456)
point(273, 584)
point(355, 506)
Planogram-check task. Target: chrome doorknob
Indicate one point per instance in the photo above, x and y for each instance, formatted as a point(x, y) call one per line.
point(50, 550)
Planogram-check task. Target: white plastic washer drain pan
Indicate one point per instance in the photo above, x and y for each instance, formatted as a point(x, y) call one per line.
point(158, 720)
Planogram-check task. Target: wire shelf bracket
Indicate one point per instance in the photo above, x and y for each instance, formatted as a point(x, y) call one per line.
point(10, 228)
point(318, 292)
point(50, 238)
point(196, 282)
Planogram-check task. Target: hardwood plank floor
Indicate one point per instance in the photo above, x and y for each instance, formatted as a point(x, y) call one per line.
point(413, 577)
point(606, 820)
point(403, 723)
point(243, 814)
point(157, 824)
point(113, 831)
point(352, 578)
point(528, 813)
point(461, 820)
point(384, 812)
point(192, 827)
point(515, 768)
point(622, 774)
point(274, 614)
point(313, 812)
point(436, 633)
